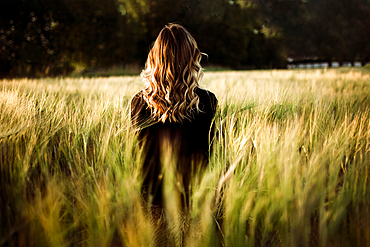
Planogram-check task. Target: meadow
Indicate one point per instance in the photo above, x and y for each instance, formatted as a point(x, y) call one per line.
point(289, 166)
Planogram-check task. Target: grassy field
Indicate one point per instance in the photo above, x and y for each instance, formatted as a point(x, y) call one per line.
point(290, 163)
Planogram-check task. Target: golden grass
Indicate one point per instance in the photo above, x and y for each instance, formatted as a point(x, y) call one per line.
point(290, 163)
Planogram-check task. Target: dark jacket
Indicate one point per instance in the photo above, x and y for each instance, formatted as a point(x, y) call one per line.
point(186, 144)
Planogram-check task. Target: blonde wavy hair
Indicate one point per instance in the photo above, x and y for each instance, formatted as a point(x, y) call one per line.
point(171, 75)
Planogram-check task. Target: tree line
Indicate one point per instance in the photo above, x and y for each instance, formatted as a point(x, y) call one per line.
point(52, 37)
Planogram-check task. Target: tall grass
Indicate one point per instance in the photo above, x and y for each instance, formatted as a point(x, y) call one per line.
point(289, 167)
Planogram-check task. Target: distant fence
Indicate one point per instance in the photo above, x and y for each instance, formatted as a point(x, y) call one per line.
point(323, 64)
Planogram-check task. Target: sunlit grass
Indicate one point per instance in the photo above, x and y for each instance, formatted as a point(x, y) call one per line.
point(289, 167)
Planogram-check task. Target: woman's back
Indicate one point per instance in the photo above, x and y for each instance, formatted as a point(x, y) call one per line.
point(184, 144)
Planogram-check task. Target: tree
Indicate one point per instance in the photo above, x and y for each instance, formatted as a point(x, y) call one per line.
point(50, 37)
point(30, 40)
point(321, 29)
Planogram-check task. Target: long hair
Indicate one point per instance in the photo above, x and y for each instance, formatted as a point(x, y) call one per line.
point(172, 73)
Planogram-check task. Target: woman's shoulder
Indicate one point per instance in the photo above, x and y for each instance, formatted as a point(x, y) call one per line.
point(138, 98)
point(138, 104)
point(204, 94)
point(140, 113)
point(207, 98)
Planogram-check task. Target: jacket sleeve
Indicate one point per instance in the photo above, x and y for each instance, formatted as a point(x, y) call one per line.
point(214, 111)
point(136, 112)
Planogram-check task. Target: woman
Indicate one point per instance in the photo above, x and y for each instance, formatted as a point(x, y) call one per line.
point(173, 116)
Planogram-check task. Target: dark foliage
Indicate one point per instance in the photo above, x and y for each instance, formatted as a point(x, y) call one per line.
point(52, 37)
